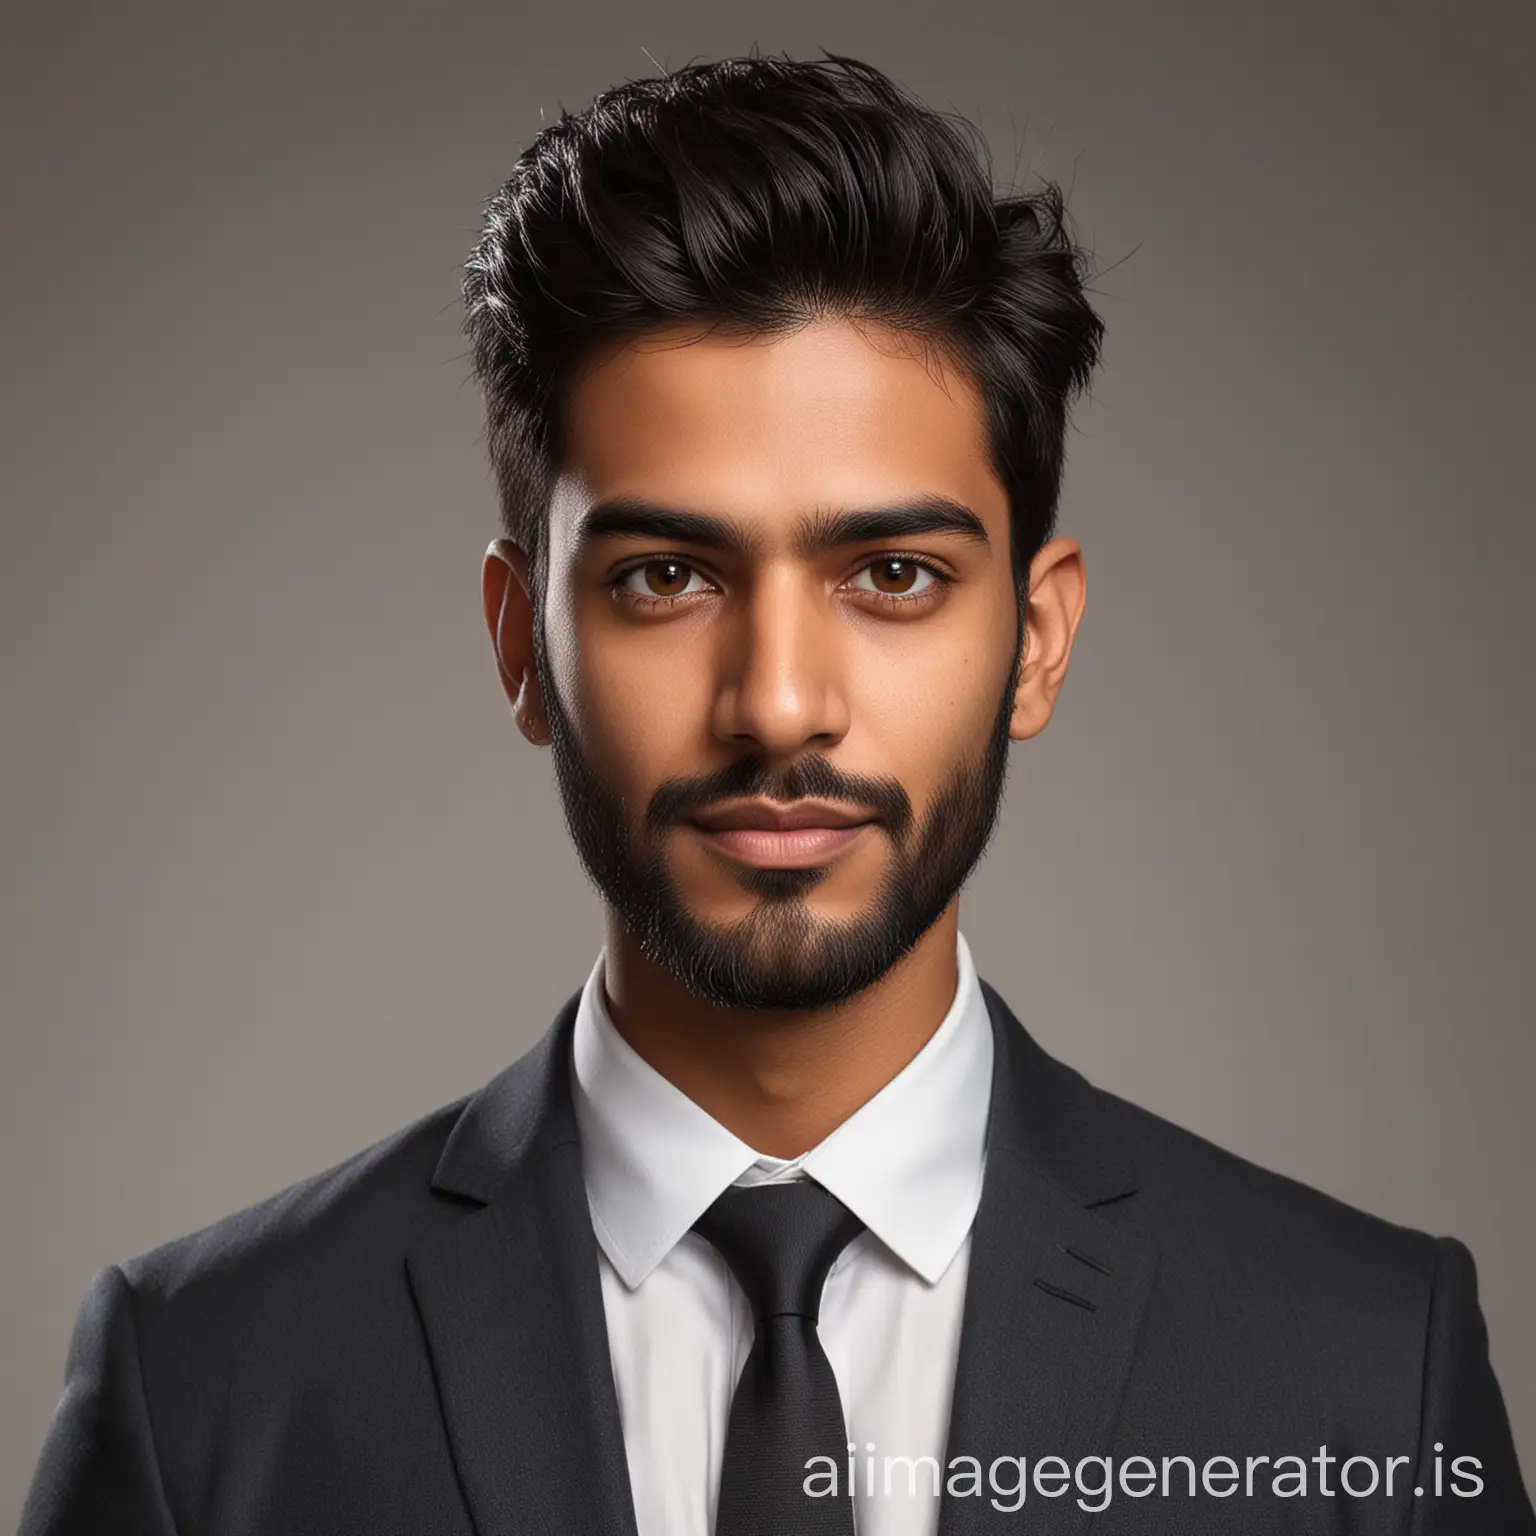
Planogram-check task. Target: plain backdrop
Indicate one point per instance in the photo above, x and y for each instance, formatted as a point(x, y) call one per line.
point(279, 874)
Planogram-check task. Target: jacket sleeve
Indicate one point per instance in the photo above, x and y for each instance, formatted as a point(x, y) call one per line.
point(98, 1473)
point(1463, 1413)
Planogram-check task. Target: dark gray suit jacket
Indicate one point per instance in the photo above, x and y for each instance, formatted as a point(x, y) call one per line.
point(413, 1344)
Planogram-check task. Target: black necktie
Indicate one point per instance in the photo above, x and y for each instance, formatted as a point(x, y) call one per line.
point(780, 1240)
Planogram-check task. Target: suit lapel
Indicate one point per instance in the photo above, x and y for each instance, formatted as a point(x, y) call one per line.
point(512, 1307)
point(1055, 1293)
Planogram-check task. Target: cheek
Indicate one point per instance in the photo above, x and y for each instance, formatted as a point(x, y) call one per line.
point(936, 706)
point(642, 715)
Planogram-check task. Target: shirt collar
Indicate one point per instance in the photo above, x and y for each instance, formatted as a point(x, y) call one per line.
point(908, 1163)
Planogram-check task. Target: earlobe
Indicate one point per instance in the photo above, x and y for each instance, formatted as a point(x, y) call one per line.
point(1058, 593)
point(1031, 711)
point(509, 618)
point(1034, 702)
point(1023, 724)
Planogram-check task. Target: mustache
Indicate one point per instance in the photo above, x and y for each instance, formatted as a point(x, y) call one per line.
point(811, 777)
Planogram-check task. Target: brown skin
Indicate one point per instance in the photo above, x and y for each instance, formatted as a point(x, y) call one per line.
point(780, 655)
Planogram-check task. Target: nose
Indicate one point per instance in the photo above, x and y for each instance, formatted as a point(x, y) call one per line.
point(781, 687)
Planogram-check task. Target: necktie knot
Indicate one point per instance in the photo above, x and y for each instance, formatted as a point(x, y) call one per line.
point(780, 1240)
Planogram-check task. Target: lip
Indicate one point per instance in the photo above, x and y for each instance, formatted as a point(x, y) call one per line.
point(792, 848)
point(766, 816)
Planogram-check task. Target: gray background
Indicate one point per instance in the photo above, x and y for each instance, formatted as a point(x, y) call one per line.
point(279, 875)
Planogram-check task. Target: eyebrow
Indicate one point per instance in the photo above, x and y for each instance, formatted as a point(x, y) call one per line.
point(816, 533)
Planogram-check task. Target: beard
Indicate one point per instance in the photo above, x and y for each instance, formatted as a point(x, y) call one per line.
point(781, 956)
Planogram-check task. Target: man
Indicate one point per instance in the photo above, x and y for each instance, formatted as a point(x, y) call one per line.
point(786, 1225)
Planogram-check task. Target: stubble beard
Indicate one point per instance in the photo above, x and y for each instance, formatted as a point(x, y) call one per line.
point(781, 956)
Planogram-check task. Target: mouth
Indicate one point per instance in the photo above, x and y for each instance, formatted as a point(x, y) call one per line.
point(769, 836)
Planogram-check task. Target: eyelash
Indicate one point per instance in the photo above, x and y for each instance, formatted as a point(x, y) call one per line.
point(649, 602)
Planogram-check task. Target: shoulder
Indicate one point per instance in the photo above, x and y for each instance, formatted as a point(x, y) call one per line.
point(1217, 1212)
point(338, 1222)
point(333, 1246)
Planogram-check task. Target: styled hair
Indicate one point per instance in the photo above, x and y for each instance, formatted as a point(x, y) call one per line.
point(756, 195)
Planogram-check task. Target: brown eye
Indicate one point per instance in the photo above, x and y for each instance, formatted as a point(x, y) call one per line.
point(666, 578)
point(896, 576)
point(658, 578)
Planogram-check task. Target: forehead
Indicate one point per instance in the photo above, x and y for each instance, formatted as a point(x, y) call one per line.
point(830, 413)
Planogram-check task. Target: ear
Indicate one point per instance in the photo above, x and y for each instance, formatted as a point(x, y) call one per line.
point(508, 599)
point(1058, 591)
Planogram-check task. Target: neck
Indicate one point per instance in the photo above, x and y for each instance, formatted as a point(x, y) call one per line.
point(782, 1082)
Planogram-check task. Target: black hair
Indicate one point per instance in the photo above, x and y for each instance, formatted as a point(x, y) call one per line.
point(757, 194)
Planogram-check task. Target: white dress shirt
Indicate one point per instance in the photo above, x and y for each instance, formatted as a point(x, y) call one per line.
point(908, 1164)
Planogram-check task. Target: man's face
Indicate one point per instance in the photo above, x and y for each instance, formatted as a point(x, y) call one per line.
point(742, 662)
